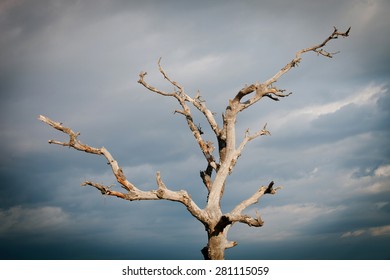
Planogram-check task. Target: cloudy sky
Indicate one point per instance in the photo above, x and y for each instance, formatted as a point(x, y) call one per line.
point(78, 62)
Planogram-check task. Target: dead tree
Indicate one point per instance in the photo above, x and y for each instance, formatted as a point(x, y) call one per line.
point(219, 164)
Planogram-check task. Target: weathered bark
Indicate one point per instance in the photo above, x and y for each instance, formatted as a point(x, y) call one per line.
point(218, 167)
point(216, 246)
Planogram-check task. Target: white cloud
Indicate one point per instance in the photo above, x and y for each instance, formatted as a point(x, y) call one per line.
point(353, 233)
point(377, 187)
point(21, 219)
point(383, 171)
point(287, 221)
point(368, 95)
point(190, 71)
point(365, 97)
point(377, 183)
point(347, 182)
point(379, 231)
point(299, 213)
point(373, 231)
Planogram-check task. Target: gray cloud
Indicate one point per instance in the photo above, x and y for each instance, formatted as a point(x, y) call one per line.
point(78, 62)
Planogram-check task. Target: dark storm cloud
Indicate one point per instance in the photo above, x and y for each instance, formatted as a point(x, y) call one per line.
point(78, 62)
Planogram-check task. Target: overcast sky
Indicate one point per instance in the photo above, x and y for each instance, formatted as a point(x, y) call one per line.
point(77, 62)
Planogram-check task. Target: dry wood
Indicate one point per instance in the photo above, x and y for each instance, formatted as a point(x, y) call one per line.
point(218, 167)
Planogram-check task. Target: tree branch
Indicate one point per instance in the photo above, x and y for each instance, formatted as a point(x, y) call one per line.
point(182, 97)
point(180, 196)
point(246, 139)
point(197, 102)
point(175, 84)
point(236, 214)
point(317, 48)
point(249, 137)
point(268, 90)
point(133, 193)
point(76, 144)
point(104, 189)
point(149, 87)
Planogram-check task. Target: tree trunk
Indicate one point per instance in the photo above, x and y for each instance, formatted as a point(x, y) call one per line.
point(215, 249)
point(217, 241)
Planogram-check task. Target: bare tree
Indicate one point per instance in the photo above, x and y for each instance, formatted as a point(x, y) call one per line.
point(218, 165)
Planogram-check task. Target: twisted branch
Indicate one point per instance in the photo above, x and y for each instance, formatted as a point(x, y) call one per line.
point(236, 214)
point(317, 49)
point(246, 139)
point(268, 90)
point(133, 193)
point(182, 97)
